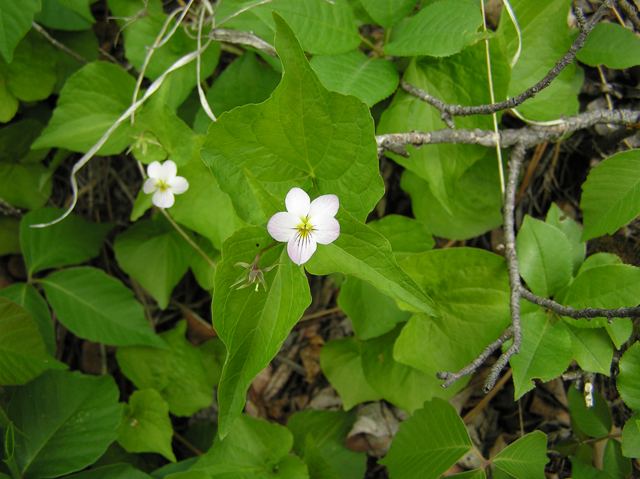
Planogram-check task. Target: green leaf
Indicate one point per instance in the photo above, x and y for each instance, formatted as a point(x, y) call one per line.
point(71, 241)
point(353, 73)
point(461, 80)
point(545, 352)
point(200, 267)
point(114, 471)
point(611, 45)
point(525, 458)
point(613, 462)
point(204, 208)
point(177, 373)
point(26, 296)
point(416, 454)
point(84, 44)
point(270, 204)
point(595, 421)
point(406, 235)
point(8, 102)
point(161, 134)
point(31, 75)
point(544, 28)
point(140, 35)
point(371, 312)
point(619, 331)
point(328, 431)
point(323, 28)
point(366, 254)
point(583, 471)
point(456, 29)
point(213, 356)
point(341, 364)
point(230, 8)
point(155, 255)
point(9, 234)
point(544, 255)
point(58, 412)
point(252, 324)
point(599, 259)
point(65, 15)
point(16, 19)
point(628, 380)
point(89, 104)
point(16, 140)
point(471, 287)
point(25, 185)
point(610, 196)
point(145, 425)
point(388, 12)
point(404, 386)
point(631, 438)
point(573, 232)
point(606, 286)
point(23, 355)
point(98, 307)
point(475, 202)
point(245, 81)
point(591, 348)
point(303, 133)
point(254, 448)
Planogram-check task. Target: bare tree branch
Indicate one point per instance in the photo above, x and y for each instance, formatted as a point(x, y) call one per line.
point(447, 111)
point(631, 11)
point(587, 313)
point(529, 136)
point(242, 38)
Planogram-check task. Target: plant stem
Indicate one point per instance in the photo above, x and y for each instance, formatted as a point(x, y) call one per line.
point(189, 240)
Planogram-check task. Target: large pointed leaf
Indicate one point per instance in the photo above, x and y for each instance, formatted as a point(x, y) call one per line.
point(596, 421)
point(252, 323)
point(545, 352)
point(525, 458)
point(545, 257)
point(15, 19)
point(388, 12)
point(428, 443)
point(471, 287)
point(629, 378)
point(71, 241)
point(23, 355)
point(591, 348)
point(90, 102)
point(573, 232)
point(610, 196)
point(366, 254)
point(98, 307)
point(68, 420)
point(155, 255)
point(302, 134)
point(611, 45)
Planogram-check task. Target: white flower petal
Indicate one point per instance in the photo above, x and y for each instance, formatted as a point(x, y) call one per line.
point(154, 170)
point(297, 202)
point(178, 185)
point(326, 229)
point(150, 185)
point(300, 250)
point(169, 170)
point(282, 226)
point(324, 205)
point(163, 199)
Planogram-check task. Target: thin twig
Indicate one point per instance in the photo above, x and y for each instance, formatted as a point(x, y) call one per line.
point(447, 111)
point(57, 44)
point(587, 313)
point(529, 136)
point(188, 238)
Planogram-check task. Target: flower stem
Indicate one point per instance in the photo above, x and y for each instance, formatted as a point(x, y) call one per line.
point(189, 240)
point(263, 250)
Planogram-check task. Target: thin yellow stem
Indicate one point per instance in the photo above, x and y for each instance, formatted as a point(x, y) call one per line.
point(493, 100)
point(372, 46)
point(189, 240)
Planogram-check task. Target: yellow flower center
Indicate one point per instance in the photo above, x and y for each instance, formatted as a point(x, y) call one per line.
point(304, 228)
point(162, 185)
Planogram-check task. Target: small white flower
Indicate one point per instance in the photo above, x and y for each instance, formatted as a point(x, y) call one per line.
point(305, 224)
point(164, 183)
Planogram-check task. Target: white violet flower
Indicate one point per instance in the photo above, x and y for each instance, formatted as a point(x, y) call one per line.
point(164, 183)
point(305, 224)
